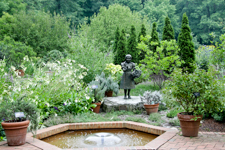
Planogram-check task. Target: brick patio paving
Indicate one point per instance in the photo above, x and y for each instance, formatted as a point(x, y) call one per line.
point(205, 140)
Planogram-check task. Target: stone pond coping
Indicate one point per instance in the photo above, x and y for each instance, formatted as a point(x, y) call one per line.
point(165, 134)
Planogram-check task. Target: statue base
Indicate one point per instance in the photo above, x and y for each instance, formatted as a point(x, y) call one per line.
point(119, 103)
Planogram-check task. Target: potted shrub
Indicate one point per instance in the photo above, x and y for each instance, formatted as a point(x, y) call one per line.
point(105, 85)
point(151, 101)
point(197, 93)
point(16, 127)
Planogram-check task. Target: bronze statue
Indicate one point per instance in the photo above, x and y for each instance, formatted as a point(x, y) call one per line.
point(129, 73)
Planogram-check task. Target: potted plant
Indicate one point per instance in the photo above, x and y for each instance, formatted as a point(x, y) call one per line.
point(16, 116)
point(197, 93)
point(151, 101)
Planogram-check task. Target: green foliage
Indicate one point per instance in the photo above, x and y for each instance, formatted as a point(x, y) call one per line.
point(218, 54)
point(181, 86)
point(143, 34)
point(11, 6)
point(174, 122)
point(103, 84)
point(116, 40)
point(136, 119)
point(89, 55)
point(156, 118)
point(156, 65)
point(114, 71)
point(123, 112)
point(85, 117)
point(173, 113)
point(168, 32)
point(132, 45)
point(141, 88)
point(157, 10)
point(154, 41)
point(134, 5)
point(53, 56)
point(204, 16)
point(121, 50)
point(17, 104)
point(203, 57)
point(162, 107)
point(14, 52)
point(219, 116)
point(187, 51)
point(103, 25)
point(41, 31)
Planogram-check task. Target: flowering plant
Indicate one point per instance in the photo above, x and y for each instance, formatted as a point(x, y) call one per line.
point(49, 92)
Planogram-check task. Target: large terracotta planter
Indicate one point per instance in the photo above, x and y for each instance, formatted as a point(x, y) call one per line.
point(109, 93)
point(151, 108)
point(97, 108)
point(15, 132)
point(188, 126)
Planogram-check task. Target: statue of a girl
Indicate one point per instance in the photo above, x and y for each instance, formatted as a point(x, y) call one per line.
point(127, 82)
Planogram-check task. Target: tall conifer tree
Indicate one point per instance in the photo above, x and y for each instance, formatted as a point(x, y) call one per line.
point(168, 32)
point(143, 33)
point(132, 45)
point(154, 38)
point(116, 40)
point(187, 51)
point(121, 49)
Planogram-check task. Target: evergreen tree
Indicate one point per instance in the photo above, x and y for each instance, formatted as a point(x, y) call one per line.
point(132, 45)
point(187, 51)
point(116, 40)
point(154, 41)
point(143, 33)
point(121, 49)
point(142, 53)
point(168, 32)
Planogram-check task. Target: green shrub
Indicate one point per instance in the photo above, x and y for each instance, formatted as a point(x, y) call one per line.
point(14, 52)
point(162, 107)
point(219, 116)
point(40, 30)
point(173, 113)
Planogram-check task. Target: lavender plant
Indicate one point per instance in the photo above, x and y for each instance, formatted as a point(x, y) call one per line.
point(151, 97)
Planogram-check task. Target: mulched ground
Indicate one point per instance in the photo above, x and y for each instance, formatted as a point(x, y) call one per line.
point(210, 125)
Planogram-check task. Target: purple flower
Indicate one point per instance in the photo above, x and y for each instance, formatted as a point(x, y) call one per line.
point(56, 108)
point(64, 104)
point(3, 119)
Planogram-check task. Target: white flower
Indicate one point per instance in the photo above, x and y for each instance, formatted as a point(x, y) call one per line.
point(55, 115)
point(87, 97)
point(76, 101)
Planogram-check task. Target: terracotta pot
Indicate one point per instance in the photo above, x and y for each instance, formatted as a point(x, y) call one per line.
point(189, 127)
point(15, 132)
point(151, 108)
point(20, 72)
point(97, 108)
point(108, 93)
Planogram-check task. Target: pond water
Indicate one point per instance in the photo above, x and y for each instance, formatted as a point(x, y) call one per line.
point(99, 138)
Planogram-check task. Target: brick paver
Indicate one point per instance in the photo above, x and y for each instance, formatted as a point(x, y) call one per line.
point(205, 140)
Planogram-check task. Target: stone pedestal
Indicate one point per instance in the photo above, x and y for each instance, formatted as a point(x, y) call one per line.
point(119, 103)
